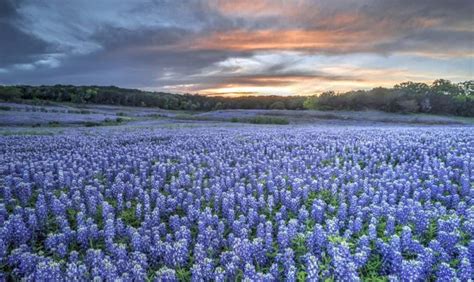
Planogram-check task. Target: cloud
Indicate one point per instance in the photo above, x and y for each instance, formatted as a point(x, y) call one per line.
point(253, 46)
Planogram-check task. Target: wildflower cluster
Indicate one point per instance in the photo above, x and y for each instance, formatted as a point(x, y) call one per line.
point(254, 203)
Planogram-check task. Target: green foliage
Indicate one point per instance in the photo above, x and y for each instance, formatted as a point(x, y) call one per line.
point(128, 216)
point(54, 123)
point(370, 271)
point(441, 97)
point(278, 106)
point(106, 122)
point(10, 93)
point(311, 103)
point(91, 124)
point(132, 97)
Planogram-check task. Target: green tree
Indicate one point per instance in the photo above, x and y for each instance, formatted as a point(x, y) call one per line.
point(311, 102)
point(277, 106)
point(10, 93)
point(445, 87)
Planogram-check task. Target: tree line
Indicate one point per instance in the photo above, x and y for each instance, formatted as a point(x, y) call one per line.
point(441, 97)
point(111, 95)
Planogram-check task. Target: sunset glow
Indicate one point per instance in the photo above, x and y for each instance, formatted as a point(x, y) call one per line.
point(238, 47)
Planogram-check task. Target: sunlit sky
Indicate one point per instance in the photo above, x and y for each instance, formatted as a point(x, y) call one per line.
point(241, 47)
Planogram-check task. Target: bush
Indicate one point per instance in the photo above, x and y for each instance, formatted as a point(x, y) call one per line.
point(408, 106)
point(268, 120)
point(91, 124)
point(53, 123)
point(277, 106)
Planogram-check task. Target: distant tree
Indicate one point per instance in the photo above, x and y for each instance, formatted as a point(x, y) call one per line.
point(277, 106)
point(329, 101)
point(311, 102)
point(295, 103)
point(218, 106)
point(10, 93)
point(441, 97)
point(425, 105)
point(467, 87)
point(416, 88)
point(464, 105)
point(445, 87)
point(408, 106)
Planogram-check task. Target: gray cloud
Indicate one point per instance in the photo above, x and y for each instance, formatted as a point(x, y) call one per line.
point(159, 43)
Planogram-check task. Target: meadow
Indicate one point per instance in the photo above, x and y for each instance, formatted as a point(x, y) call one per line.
point(237, 140)
point(218, 201)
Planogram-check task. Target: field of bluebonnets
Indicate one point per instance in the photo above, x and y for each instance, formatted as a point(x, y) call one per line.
point(255, 203)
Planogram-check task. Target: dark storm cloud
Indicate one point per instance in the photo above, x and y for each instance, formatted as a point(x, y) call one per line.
point(7, 9)
point(164, 43)
point(17, 46)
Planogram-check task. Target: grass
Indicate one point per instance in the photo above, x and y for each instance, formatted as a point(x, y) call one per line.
point(26, 133)
point(106, 122)
point(262, 120)
point(53, 123)
point(468, 120)
point(253, 120)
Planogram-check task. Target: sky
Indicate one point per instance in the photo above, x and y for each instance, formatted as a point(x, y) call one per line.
point(236, 47)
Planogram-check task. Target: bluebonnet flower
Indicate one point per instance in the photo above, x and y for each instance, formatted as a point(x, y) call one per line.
point(47, 271)
point(411, 270)
point(17, 230)
point(390, 226)
point(197, 273)
point(291, 274)
point(445, 273)
point(136, 241)
point(249, 272)
point(318, 210)
point(259, 251)
point(165, 274)
point(109, 230)
point(274, 270)
point(219, 274)
point(138, 273)
point(372, 231)
point(317, 239)
point(332, 227)
point(161, 199)
point(448, 240)
point(357, 225)
point(76, 272)
point(23, 261)
point(283, 238)
point(312, 268)
point(344, 267)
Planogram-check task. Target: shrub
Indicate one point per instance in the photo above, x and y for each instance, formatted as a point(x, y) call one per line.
point(91, 124)
point(54, 123)
point(268, 120)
